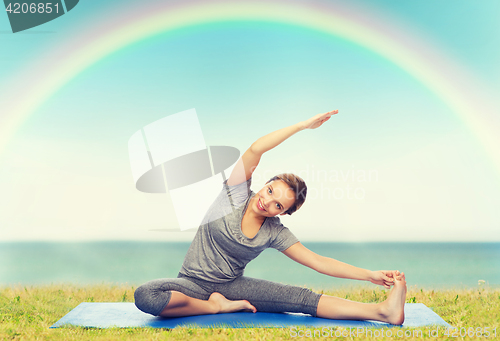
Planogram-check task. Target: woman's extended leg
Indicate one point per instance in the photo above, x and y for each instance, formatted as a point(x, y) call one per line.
point(269, 296)
point(390, 311)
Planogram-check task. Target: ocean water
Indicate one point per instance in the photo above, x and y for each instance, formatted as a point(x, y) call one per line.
point(426, 265)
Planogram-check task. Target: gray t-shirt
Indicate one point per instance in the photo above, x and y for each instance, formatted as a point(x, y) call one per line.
point(220, 251)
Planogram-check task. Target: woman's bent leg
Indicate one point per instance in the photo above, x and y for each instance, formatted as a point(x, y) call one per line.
point(181, 297)
point(153, 296)
point(183, 305)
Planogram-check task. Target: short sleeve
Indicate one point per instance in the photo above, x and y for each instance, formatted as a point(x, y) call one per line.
point(284, 238)
point(238, 194)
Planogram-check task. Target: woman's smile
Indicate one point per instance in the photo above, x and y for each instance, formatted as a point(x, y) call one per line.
point(260, 206)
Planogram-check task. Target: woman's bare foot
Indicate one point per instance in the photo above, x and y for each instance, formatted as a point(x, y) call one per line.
point(392, 309)
point(227, 306)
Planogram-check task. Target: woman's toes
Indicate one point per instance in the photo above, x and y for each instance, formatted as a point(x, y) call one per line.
point(249, 307)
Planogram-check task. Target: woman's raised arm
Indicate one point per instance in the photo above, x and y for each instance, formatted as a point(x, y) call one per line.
point(250, 159)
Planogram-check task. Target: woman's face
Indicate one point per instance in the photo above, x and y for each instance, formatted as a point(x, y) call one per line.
point(273, 199)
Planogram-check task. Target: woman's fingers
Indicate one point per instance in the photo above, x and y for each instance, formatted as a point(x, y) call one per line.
point(330, 113)
point(319, 119)
point(392, 273)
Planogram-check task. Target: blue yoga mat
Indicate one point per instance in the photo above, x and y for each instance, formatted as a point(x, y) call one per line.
point(107, 315)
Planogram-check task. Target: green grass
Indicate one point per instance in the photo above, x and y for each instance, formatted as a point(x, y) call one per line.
point(26, 313)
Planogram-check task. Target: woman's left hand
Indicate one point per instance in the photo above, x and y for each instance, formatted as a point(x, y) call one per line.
point(385, 278)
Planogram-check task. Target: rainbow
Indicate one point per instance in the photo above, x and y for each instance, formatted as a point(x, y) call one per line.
point(419, 59)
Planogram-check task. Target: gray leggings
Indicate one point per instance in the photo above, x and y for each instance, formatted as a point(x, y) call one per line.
point(153, 296)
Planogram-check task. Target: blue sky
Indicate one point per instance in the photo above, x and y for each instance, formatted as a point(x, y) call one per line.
point(65, 175)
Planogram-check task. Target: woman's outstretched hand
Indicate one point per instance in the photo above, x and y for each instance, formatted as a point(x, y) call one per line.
point(384, 277)
point(318, 120)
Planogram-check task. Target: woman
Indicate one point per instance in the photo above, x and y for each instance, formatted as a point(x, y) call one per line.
point(211, 278)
